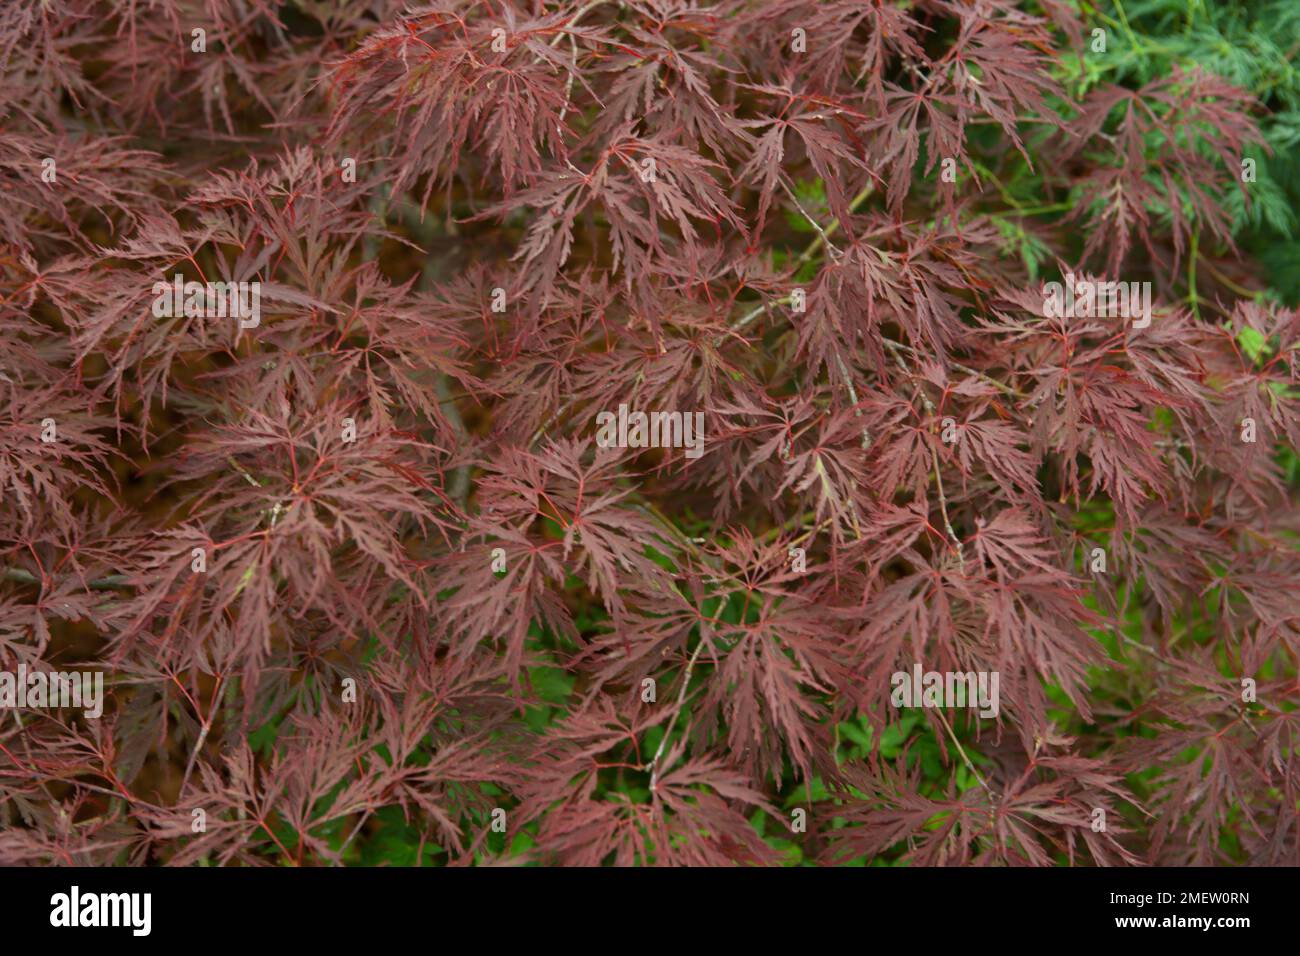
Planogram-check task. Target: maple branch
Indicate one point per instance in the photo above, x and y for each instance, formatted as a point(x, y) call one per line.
point(559, 412)
point(568, 86)
point(830, 230)
point(1007, 389)
point(823, 237)
point(934, 457)
point(821, 233)
point(853, 396)
point(790, 524)
point(458, 487)
point(338, 857)
point(751, 316)
point(943, 510)
point(965, 759)
point(567, 30)
point(681, 696)
point(110, 582)
point(204, 730)
point(573, 20)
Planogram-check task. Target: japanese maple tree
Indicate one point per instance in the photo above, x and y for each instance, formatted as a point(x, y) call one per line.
point(365, 586)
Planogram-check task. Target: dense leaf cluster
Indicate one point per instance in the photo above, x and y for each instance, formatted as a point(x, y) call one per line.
point(363, 584)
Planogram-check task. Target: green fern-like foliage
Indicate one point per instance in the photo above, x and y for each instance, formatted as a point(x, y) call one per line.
point(1253, 45)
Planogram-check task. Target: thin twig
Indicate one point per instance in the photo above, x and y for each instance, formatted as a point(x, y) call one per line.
point(681, 696)
point(830, 230)
point(965, 759)
point(821, 233)
point(108, 583)
point(934, 457)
